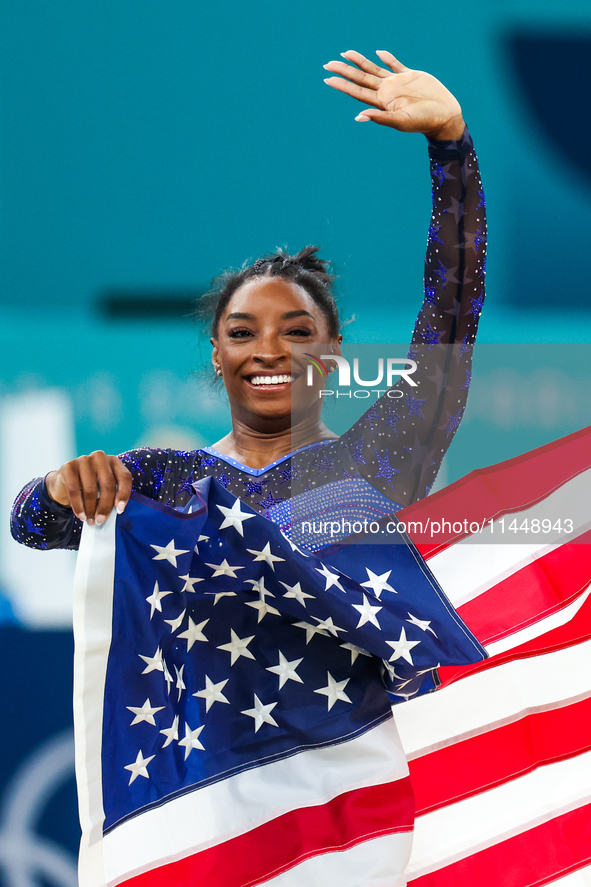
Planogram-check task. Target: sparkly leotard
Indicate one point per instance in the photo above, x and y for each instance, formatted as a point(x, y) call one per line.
point(391, 455)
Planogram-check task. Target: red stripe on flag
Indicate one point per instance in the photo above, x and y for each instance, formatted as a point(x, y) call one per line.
point(509, 486)
point(538, 590)
point(534, 857)
point(497, 756)
point(278, 845)
point(575, 631)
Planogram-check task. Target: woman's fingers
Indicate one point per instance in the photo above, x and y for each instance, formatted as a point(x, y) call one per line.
point(363, 94)
point(354, 74)
point(91, 485)
point(365, 64)
point(124, 480)
point(392, 62)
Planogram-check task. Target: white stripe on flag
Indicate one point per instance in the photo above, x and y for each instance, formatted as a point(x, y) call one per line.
point(242, 802)
point(93, 615)
point(494, 696)
point(464, 828)
point(369, 863)
point(582, 878)
point(561, 617)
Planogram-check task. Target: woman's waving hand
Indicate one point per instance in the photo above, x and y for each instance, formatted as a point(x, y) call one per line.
point(407, 100)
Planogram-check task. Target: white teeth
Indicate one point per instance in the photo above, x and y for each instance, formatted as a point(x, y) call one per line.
point(271, 380)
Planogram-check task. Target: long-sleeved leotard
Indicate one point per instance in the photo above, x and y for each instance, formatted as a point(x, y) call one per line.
point(391, 455)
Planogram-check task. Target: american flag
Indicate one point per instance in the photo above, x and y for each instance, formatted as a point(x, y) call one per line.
point(231, 717)
point(500, 755)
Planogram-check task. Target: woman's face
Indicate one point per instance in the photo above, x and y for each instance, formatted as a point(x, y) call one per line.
point(261, 322)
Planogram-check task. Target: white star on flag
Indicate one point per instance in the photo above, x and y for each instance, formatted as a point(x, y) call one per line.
point(293, 545)
point(180, 684)
point(200, 539)
point(258, 585)
point(153, 663)
point(224, 569)
point(171, 732)
point(190, 583)
point(212, 692)
point(175, 623)
point(265, 555)
point(310, 630)
point(234, 517)
point(167, 676)
point(139, 767)
point(237, 647)
point(263, 607)
point(295, 591)
point(220, 594)
point(421, 623)
point(355, 651)
point(191, 739)
point(402, 648)
point(378, 584)
point(193, 633)
point(329, 625)
point(144, 713)
point(367, 613)
point(335, 690)
point(168, 552)
point(261, 714)
point(331, 578)
point(286, 670)
point(155, 598)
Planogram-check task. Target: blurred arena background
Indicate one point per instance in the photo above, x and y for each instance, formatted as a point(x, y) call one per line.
point(144, 148)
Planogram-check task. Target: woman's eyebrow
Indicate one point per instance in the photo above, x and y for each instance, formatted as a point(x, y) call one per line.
point(300, 313)
point(241, 315)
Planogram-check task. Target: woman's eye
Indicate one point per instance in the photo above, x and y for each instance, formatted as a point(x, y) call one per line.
point(300, 331)
point(239, 333)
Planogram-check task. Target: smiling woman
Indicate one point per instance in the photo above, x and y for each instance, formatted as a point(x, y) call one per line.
point(281, 460)
point(390, 457)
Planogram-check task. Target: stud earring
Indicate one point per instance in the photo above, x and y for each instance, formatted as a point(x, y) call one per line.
point(218, 372)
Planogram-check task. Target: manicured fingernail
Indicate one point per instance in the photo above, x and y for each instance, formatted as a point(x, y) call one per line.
point(100, 518)
point(362, 118)
point(90, 522)
point(344, 54)
point(82, 516)
point(120, 507)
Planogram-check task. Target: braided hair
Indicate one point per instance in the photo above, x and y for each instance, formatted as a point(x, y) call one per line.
point(304, 269)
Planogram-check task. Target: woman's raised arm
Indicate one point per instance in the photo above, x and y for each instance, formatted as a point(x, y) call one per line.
point(398, 444)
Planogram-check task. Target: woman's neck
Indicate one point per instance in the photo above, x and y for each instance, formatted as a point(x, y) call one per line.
point(256, 449)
